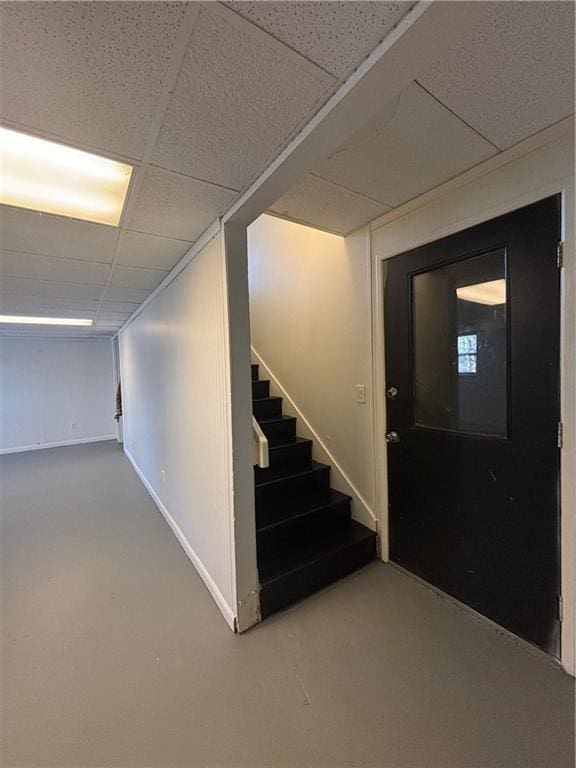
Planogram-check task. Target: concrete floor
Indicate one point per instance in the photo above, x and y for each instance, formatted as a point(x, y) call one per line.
point(113, 653)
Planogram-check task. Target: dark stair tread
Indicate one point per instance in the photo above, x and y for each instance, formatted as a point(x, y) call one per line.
point(282, 474)
point(261, 399)
point(278, 429)
point(289, 443)
point(273, 419)
point(326, 544)
point(308, 505)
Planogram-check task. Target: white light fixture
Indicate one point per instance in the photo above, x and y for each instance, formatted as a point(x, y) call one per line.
point(491, 293)
point(44, 176)
point(25, 320)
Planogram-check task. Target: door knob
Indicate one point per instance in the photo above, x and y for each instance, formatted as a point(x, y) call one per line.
point(392, 437)
point(392, 393)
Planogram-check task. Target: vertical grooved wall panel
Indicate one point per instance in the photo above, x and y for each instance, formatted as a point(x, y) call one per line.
point(175, 379)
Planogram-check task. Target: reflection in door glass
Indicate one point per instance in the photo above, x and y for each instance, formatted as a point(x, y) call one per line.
point(459, 315)
point(467, 352)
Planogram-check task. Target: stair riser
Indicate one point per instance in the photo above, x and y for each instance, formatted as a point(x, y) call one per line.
point(254, 372)
point(261, 388)
point(270, 541)
point(267, 409)
point(280, 429)
point(298, 584)
point(292, 458)
point(271, 497)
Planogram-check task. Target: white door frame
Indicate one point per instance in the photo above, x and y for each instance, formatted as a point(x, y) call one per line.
point(537, 168)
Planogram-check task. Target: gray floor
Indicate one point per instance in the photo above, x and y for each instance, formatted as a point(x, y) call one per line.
point(113, 653)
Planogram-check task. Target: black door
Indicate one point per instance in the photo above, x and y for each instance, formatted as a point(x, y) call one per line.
point(472, 372)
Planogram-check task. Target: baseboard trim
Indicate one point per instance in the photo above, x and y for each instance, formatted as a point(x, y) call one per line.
point(225, 609)
point(480, 618)
point(61, 444)
point(350, 488)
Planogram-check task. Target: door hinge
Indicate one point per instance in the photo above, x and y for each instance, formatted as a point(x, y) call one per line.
point(560, 608)
point(560, 255)
point(560, 434)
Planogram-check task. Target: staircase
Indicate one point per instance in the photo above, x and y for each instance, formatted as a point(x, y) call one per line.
point(306, 538)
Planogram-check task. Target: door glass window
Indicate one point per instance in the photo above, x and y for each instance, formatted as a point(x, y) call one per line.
point(460, 345)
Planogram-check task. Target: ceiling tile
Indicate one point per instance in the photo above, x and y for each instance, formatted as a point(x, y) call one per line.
point(172, 205)
point(88, 72)
point(141, 250)
point(114, 316)
point(137, 277)
point(514, 74)
point(120, 306)
point(108, 325)
point(334, 35)
point(18, 286)
point(14, 264)
point(238, 97)
point(48, 235)
point(409, 147)
point(120, 294)
point(325, 205)
point(33, 304)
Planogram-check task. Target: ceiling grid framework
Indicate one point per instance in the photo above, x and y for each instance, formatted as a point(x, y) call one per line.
point(126, 80)
point(200, 97)
point(510, 77)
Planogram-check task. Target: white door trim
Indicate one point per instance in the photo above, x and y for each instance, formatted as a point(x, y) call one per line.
point(511, 180)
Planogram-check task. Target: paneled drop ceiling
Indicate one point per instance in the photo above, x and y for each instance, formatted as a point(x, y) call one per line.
point(510, 77)
point(198, 97)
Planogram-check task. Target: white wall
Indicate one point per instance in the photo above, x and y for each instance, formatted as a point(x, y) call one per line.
point(535, 169)
point(175, 369)
point(312, 325)
point(55, 392)
point(311, 328)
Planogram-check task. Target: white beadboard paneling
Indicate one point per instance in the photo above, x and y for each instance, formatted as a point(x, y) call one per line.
point(175, 379)
point(49, 235)
point(177, 206)
point(13, 264)
point(90, 72)
point(141, 250)
point(327, 206)
point(334, 35)
point(410, 146)
point(513, 75)
point(137, 277)
point(237, 99)
point(54, 391)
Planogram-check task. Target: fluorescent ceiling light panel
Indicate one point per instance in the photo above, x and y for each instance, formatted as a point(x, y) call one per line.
point(491, 293)
point(25, 320)
point(44, 176)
